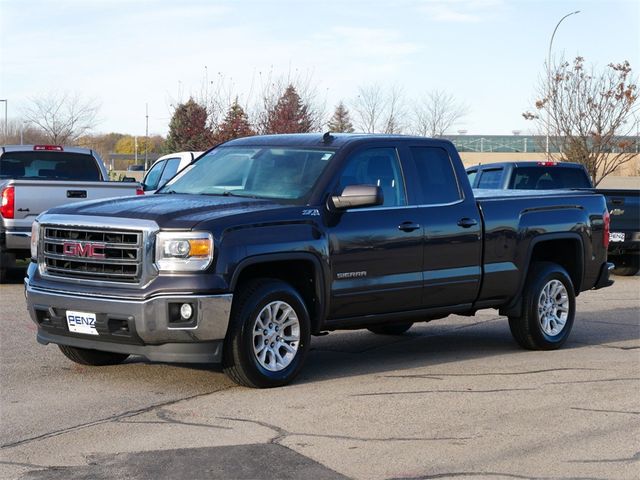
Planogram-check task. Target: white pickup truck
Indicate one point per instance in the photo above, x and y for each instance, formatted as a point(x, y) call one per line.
point(35, 178)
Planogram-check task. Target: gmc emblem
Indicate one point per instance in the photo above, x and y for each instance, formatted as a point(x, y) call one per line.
point(79, 249)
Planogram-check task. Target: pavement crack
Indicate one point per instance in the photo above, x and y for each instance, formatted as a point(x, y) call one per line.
point(486, 475)
point(281, 434)
point(634, 458)
point(439, 376)
point(418, 392)
point(604, 411)
point(602, 380)
point(112, 418)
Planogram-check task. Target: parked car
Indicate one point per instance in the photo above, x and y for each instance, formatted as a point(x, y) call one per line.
point(623, 205)
point(165, 168)
point(268, 240)
point(135, 168)
point(35, 178)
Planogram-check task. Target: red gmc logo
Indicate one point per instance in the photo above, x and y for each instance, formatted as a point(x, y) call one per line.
point(79, 249)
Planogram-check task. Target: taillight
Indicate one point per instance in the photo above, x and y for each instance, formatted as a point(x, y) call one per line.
point(607, 221)
point(7, 207)
point(139, 191)
point(548, 164)
point(48, 148)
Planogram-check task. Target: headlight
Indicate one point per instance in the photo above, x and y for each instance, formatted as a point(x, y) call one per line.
point(35, 234)
point(183, 251)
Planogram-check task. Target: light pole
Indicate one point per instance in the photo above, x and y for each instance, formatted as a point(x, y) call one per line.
point(6, 125)
point(549, 76)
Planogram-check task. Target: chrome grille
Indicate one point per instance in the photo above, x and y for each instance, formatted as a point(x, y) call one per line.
point(93, 254)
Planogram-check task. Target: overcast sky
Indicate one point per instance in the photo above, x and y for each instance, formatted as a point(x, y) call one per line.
point(488, 53)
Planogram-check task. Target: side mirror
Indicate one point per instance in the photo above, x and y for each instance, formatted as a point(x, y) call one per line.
point(355, 196)
point(128, 179)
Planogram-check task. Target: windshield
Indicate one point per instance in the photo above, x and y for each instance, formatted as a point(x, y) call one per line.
point(285, 173)
point(49, 165)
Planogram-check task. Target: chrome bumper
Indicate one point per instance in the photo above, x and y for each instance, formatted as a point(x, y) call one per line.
point(137, 327)
point(17, 240)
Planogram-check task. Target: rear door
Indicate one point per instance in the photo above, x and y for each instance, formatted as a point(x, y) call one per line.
point(453, 228)
point(375, 252)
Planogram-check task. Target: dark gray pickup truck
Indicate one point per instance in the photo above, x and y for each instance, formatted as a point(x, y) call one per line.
point(265, 241)
point(623, 205)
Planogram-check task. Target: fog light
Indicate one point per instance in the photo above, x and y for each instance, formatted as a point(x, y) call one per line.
point(186, 311)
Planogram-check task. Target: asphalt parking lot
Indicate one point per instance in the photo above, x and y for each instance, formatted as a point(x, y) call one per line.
point(454, 398)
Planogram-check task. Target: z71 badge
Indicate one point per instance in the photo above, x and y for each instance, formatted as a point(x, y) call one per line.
point(312, 212)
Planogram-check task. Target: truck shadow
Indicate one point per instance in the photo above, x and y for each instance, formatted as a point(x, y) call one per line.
point(362, 353)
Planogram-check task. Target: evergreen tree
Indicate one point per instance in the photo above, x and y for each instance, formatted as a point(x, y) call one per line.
point(188, 128)
point(289, 115)
point(235, 124)
point(341, 120)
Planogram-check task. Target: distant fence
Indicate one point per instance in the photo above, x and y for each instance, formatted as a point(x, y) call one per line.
point(122, 161)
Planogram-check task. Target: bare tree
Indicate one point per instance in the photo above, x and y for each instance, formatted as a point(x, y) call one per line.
point(62, 117)
point(436, 113)
point(369, 107)
point(395, 111)
point(590, 116)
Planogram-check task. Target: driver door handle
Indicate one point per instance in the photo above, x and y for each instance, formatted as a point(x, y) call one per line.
point(467, 222)
point(408, 226)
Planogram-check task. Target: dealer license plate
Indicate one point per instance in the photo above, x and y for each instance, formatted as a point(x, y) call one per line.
point(82, 322)
point(616, 237)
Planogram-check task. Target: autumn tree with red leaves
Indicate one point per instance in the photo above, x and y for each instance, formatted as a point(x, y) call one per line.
point(289, 114)
point(188, 129)
point(235, 124)
point(589, 116)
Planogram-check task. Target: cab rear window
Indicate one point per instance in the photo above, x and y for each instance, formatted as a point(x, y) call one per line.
point(548, 178)
point(42, 165)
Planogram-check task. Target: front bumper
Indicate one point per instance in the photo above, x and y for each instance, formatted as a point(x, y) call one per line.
point(136, 327)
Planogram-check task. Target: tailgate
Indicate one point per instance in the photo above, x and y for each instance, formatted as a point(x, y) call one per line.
point(624, 209)
point(33, 197)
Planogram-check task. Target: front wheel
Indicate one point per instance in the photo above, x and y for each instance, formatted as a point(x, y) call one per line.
point(548, 308)
point(269, 334)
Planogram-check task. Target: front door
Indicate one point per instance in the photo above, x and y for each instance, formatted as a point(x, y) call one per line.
point(375, 252)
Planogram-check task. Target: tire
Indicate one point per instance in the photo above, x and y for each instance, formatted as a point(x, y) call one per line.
point(626, 265)
point(395, 329)
point(269, 354)
point(95, 358)
point(548, 308)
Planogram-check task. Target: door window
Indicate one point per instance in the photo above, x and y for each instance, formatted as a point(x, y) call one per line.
point(376, 166)
point(436, 176)
point(490, 178)
point(153, 177)
point(169, 170)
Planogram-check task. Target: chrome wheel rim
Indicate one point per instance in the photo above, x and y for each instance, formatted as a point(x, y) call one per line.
point(276, 336)
point(553, 308)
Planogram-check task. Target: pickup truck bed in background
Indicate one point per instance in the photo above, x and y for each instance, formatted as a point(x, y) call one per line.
point(623, 205)
point(35, 178)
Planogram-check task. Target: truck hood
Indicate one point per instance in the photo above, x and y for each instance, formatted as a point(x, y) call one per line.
point(168, 211)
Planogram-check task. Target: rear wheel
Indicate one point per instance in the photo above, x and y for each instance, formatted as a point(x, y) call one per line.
point(269, 334)
point(395, 329)
point(626, 265)
point(96, 358)
point(548, 308)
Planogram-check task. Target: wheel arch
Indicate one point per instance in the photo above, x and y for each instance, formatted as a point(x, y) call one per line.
point(301, 270)
point(564, 249)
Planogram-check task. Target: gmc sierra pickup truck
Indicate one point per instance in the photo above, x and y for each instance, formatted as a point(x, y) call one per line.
point(623, 205)
point(34, 178)
point(265, 241)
